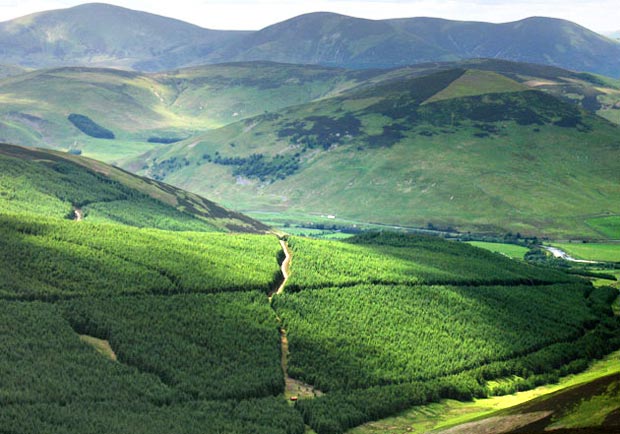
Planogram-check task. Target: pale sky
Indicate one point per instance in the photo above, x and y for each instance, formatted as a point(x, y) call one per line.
point(598, 15)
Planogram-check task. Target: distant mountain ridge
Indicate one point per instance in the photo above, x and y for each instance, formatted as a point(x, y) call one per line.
point(103, 35)
point(97, 34)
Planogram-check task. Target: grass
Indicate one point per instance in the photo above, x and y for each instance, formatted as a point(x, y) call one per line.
point(102, 346)
point(136, 106)
point(449, 413)
point(477, 83)
point(608, 226)
point(591, 411)
point(592, 251)
point(510, 250)
point(48, 183)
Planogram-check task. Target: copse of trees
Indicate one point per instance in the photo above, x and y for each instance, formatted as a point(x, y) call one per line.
point(90, 127)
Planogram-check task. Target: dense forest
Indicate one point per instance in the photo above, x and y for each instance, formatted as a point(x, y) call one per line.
point(52, 259)
point(382, 258)
point(379, 323)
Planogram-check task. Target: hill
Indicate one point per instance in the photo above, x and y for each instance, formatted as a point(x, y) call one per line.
point(47, 184)
point(155, 325)
point(105, 35)
point(142, 111)
point(129, 113)
point(460, 148)
point(338, 40)
point(98, 34)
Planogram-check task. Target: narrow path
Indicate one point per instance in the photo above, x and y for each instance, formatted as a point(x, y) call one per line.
point(284, 268)
point(294, 388)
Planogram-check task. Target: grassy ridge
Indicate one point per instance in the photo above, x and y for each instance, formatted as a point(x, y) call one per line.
point(52, 184)
point(140, 108)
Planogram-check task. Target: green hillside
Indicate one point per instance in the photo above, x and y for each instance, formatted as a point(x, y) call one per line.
point(447, 149)
point(112, 114)
point(142, 111)
point(52, 184)
point(150, 329)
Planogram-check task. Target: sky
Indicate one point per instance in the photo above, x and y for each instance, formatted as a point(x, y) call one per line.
point(598, 15)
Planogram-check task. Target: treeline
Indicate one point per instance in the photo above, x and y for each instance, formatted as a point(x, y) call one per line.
point(214, 346)
point(383, 258)
point(259, 166)
point(56, 259)
point(353, 337)
point(144, 213)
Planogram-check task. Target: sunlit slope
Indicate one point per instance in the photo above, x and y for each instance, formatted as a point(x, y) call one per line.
point(457, 148)
point(51, 184)
point(142, 111)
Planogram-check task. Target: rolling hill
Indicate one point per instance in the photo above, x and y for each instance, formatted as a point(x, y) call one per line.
point(105, 35)
point(98, 34)
point(45, 184)
point(460, 148)
point(338, 40)
point(145, 110)
point(130, 113)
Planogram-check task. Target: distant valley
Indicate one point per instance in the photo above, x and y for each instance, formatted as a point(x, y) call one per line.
point(443, 139)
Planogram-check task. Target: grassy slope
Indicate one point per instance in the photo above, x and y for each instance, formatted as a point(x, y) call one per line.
point(48, 183)
point(444, 162)
point(182, 103)
point(510, 250)
point(137, 107)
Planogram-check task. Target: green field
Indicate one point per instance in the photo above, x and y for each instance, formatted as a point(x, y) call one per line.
point(608, 226)
point(592, 251)
point(510, 250)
